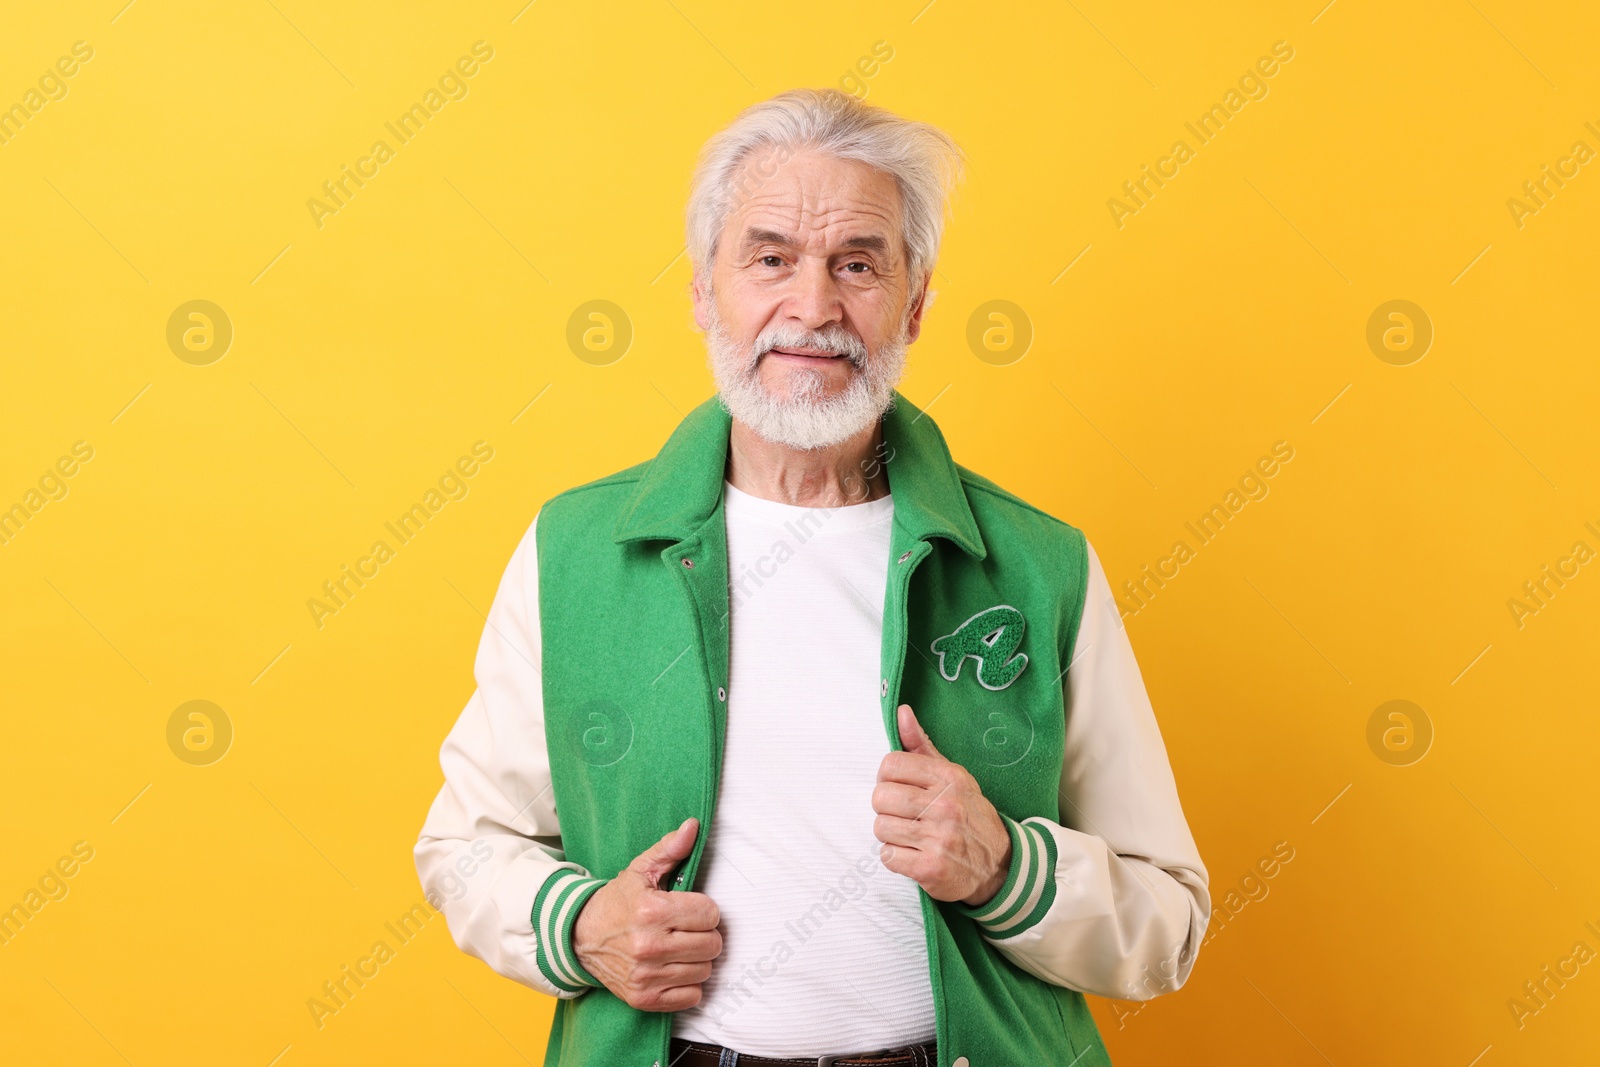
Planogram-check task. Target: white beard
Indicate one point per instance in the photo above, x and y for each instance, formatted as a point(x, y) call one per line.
point(805, 419)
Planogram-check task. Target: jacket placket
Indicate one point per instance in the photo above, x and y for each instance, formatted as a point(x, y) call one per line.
point(906, 553)
point(700, 563)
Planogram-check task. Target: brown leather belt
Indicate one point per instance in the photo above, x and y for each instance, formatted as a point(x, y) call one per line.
point(693, 1054)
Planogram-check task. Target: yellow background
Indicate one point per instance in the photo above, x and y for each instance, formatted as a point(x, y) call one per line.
point(1227, 314)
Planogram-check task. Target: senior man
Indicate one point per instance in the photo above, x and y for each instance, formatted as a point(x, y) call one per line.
point(852, 759)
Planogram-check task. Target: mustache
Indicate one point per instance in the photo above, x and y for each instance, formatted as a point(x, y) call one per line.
point(831, 339)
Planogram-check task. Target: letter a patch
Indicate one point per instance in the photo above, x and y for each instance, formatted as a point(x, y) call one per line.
point(990, 637)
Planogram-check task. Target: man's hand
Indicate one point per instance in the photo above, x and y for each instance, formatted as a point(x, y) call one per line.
point(937, 827)
point(650, 947)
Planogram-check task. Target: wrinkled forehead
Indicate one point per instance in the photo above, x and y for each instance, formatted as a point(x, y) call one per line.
point(824, 203)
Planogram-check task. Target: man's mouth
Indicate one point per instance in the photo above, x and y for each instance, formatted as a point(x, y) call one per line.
point(809, 355)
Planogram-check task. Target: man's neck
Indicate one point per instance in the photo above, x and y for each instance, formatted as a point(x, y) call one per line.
point(851, 472)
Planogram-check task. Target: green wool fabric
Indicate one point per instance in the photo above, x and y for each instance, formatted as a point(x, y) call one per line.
point(633, 608)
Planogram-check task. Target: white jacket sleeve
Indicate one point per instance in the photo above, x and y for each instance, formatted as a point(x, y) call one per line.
point(1113, 899)
point(489, 855)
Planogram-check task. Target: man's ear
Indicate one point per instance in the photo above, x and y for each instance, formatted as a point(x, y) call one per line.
point(914, 324)
point(701, 291)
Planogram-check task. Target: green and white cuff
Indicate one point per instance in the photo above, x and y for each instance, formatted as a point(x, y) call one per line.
point(1030, 885)
point(555, 913)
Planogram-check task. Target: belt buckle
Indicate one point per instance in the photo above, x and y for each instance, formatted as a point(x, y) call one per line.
point(829, 1061)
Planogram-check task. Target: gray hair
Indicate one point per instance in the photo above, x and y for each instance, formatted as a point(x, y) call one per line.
point(925, 162)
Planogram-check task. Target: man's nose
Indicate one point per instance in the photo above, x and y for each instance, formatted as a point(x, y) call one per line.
point(814, 301)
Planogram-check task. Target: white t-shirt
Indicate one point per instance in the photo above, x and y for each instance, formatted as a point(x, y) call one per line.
point(823, 947)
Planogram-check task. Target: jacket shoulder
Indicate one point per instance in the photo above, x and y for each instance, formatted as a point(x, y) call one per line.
point(1006, 504)
point(1052, 553)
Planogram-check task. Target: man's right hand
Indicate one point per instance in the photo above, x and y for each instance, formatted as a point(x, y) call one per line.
point(650, 947)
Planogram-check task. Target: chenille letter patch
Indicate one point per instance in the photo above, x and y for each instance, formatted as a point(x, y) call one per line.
point(991, 637)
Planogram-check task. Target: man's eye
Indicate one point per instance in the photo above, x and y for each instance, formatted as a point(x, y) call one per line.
point(857, 263)
point(771, 261)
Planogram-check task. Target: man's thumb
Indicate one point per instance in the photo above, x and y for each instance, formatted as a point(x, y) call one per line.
point(661, 857)
point(913, 738)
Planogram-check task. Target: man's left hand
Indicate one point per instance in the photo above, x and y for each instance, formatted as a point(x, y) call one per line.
point(937, 827)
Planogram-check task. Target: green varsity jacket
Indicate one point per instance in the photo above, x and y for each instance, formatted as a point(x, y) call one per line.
point(633, 574)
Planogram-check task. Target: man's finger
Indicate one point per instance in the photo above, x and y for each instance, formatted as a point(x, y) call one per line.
point(677, 974)
point(902, 833)
point(691, 911)
point(655, 861)
point(691, 948)
point(912, 768)
point(913, 738)
point(897, 798)
point(901, 859)
point(677, 998)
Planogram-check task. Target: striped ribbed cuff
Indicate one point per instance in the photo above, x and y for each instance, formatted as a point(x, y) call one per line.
point(555, 913)
point(1030, 886)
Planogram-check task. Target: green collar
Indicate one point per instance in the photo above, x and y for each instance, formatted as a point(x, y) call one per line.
point(683, 485)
